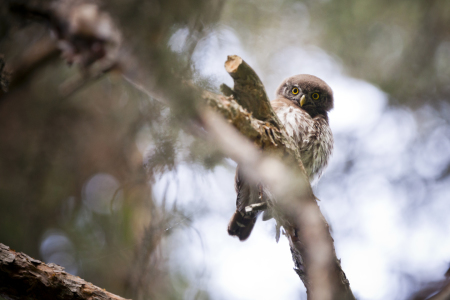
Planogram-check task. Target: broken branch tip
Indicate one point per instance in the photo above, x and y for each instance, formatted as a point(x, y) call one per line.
point(232, 64)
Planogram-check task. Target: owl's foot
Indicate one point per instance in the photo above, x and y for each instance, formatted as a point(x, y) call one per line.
point(256, 207)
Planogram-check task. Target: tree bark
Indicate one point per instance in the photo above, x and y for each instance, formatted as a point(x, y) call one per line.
point(22, 277)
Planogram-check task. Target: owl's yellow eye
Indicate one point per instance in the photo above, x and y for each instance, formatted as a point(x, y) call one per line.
point(315, 96)
point(295, 91)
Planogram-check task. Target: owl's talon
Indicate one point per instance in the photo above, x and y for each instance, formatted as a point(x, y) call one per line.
point(256, 207)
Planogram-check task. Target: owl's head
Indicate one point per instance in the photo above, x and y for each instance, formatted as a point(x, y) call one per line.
point(310, 93)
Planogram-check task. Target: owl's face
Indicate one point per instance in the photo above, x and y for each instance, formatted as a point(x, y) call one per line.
point(308, 92)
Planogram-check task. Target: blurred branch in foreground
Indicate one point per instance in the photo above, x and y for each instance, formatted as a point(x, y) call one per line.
point(22, 277)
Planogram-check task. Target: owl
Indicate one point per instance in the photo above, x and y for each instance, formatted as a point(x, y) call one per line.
point(302, 104)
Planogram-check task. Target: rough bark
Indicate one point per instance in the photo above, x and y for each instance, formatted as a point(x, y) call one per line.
point(22, 277)
point(247, 88)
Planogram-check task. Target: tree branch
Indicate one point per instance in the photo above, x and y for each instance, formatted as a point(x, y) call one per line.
point(248, 88)
point(22, 277)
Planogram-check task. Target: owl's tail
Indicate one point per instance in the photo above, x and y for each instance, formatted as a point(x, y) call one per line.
point(241, 225)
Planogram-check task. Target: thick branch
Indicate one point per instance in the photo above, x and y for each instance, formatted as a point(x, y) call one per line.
point(248, 89)
point(22, 277)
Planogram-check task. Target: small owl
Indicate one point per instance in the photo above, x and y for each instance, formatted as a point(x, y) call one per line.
point(302, 105)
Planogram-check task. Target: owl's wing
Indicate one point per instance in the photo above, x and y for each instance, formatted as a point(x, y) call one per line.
point(241, 223)
point(242, 190)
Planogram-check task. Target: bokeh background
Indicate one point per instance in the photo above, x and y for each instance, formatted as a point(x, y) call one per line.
point(110, 184)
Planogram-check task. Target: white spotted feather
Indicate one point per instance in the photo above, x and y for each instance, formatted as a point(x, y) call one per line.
point(313, 135)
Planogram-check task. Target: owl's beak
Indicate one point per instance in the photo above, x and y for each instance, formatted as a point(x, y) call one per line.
point(302, 100)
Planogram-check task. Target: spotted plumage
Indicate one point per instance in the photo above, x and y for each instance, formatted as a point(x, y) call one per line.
point(302, 105)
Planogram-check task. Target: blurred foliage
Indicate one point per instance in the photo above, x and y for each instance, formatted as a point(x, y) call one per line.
point(73, 182)
point(109, 141)
point(403, 46)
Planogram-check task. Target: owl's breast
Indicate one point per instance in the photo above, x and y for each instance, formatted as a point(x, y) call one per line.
point(313, 136)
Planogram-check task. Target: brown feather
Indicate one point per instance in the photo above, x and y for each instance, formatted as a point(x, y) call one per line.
point(241, 225)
